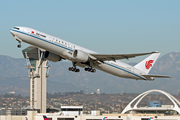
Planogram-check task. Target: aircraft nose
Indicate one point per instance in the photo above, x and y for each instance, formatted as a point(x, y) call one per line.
point(12, 32)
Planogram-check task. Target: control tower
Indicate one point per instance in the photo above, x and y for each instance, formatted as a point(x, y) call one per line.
point(38, 73)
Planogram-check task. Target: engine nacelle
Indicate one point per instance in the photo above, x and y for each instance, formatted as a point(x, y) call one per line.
point(52, 57)
point(80, 56)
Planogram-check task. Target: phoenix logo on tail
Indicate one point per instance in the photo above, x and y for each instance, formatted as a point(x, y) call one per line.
point(149, 64)
point(45, 118)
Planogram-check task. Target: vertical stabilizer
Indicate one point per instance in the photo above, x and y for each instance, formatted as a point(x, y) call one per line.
point(147, 63)
point(45, 118)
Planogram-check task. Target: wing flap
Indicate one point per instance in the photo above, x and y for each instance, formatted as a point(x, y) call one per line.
point(113, 57)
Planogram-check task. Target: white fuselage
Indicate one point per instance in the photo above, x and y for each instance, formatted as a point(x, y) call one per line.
point(62, 47)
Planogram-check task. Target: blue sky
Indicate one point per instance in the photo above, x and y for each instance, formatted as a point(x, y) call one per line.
point(104, 26)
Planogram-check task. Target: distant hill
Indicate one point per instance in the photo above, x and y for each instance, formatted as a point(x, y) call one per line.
point(13, 77)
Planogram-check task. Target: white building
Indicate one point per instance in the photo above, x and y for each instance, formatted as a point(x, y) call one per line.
point(71, 110)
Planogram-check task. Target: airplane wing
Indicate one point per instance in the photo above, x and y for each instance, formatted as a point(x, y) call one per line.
point(109, 57)
point(156, 76)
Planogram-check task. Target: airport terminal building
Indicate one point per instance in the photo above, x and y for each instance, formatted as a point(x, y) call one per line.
point(156, 111)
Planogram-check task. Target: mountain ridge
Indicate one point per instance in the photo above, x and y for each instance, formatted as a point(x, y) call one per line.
point(13, 75)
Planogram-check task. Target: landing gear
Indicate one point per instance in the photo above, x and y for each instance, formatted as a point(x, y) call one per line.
point(90, 69)
point(19, 46)
point(74, 69)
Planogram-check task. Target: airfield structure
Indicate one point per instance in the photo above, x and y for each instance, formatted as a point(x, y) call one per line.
point(38, 69)
point(135, 109)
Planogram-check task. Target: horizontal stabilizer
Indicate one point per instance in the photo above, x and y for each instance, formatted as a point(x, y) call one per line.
point(156, 76)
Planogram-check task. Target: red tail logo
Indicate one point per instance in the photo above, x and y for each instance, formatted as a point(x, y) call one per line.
point(149, 64)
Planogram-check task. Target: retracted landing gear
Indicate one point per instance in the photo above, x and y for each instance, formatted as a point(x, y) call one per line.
point(90, 69)
point(74, 69)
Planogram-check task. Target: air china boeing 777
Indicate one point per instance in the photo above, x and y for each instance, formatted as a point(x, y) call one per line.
point(56, 49)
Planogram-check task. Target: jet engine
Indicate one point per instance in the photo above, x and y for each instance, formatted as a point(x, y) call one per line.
point(52, 57)
point(80, 56)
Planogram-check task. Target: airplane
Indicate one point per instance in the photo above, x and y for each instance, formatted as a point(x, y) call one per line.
point(55, 49)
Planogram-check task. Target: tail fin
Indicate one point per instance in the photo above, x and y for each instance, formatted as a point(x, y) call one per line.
point(105, 118)
point(147, 63)
point(45, 118)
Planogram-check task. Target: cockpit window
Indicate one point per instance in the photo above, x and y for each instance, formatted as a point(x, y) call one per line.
point(16, 28)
